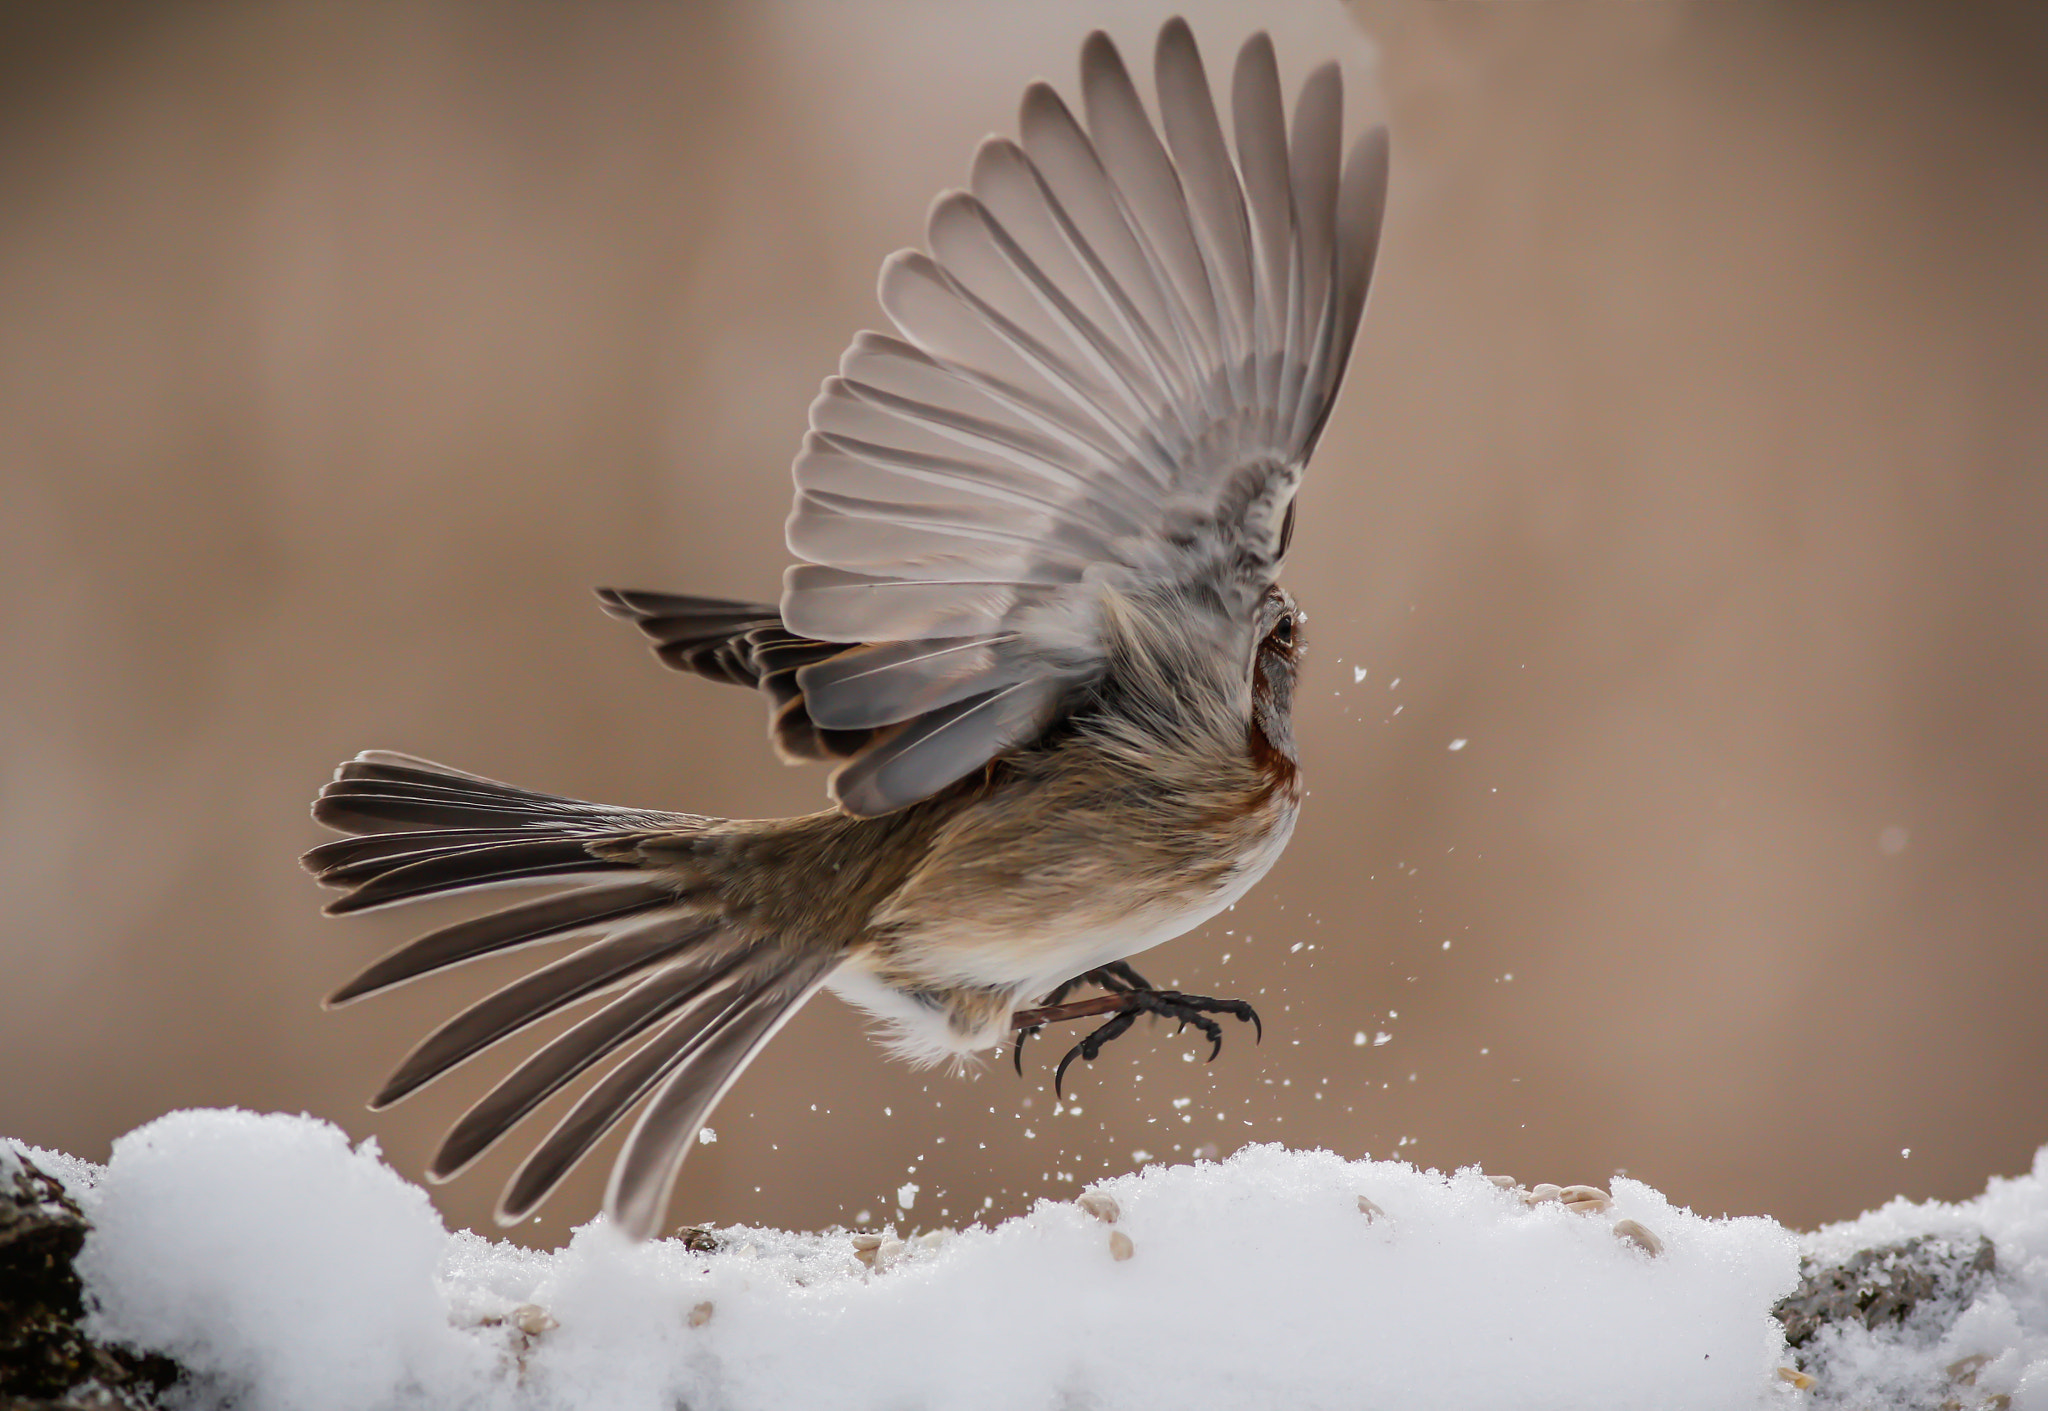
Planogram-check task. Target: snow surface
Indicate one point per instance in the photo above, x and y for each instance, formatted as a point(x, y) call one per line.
point(288, 1269)
point(2005, 1324)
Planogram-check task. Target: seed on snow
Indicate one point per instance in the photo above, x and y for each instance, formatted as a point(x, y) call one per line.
point(1585, 1200)
point(533, 1320)
point(1630, 1232)
point(1101, 1204)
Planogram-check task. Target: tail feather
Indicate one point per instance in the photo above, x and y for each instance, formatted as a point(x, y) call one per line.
point(645, 1173)
point(425, 829)
point(347, 861)
point(381, 792)
point(549, 918)
point(382, 810)
point(700, 1051)
point(592, 970)
point(695, 989)
point(551, 1068)
point(461, 866)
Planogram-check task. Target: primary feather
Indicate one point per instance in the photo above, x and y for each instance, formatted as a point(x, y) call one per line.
point(1110, 366)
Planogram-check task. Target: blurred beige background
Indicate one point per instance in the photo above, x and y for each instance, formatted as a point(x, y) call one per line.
point(1691, 469)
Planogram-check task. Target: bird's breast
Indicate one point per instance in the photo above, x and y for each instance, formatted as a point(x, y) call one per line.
point(1067, 900)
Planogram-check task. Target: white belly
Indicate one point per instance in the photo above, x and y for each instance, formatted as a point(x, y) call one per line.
point(1027, 963)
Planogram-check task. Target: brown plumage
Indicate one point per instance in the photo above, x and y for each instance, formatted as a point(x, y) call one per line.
point(1037, 632)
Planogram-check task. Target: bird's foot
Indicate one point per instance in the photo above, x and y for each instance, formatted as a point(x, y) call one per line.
point(1124, 1006)
point(1117, 977)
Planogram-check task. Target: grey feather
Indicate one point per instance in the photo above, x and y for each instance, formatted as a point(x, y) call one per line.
point(770, 987)
point(1261, 125)
point(1084, 202)
point(529, 923)
point(890, 682)
point(1112, 364)
point(1314, 169)
point(1214, 198)
point(926, 754)
point(646, 1171)
point(554, 1066)
point(853, 607)
point(532, 998)
point(1149, 191)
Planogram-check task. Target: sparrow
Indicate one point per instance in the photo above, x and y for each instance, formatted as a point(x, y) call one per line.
point(1035, 628)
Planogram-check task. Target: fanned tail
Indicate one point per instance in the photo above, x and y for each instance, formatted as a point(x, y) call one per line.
point(696, 994)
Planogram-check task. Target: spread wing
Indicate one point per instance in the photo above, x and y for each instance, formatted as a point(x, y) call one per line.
point(1108, 373)
point(743, 644)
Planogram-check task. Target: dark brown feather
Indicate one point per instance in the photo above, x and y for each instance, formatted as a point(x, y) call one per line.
point(553, 1067)
point(459, 868)
point(547, 919)
point(743, 644)
point(589, 971)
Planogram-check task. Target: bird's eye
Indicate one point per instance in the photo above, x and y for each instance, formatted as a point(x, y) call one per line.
point(1283, 631)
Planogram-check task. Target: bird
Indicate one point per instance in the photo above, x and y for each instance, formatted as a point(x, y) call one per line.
point(1035, 627)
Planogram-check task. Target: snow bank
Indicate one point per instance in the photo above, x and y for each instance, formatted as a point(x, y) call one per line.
point(276, 1263)
point(1973, 1331)
point(286, 1269)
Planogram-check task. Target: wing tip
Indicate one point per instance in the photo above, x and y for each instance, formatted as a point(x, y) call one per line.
point(1176, 32)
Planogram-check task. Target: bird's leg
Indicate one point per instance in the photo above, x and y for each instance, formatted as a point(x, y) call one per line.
point(1117, 977)
point(1124, 1003)
point(1026, 1027)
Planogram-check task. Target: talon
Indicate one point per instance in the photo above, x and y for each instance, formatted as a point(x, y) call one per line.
point(1059, 1074)
point(1017, 1046)
point(1128, 1004)
point(1090, 1048)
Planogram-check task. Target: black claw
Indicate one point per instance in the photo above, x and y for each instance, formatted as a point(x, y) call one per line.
point(1118, 976)
point(1059, 1074)
point(1017, 1046)
point(1167, 1004)
point(1090, 1048)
